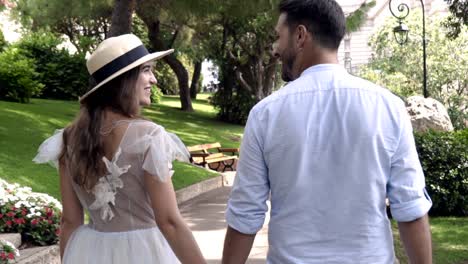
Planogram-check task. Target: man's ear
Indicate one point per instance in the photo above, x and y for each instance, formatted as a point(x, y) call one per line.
point(301, 36)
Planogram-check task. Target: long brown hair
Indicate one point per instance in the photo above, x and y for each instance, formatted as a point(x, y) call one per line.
point(83, 145)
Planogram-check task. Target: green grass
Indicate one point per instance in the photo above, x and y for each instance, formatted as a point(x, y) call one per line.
point(449, 240)
point(23, 127)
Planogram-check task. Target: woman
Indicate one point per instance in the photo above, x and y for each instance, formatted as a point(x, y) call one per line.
point(117, 166)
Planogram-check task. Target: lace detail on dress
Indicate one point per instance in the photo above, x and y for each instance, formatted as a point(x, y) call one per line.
point(106, 188)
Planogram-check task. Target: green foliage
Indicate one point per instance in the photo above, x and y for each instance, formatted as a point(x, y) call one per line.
point(3, 42)
point(458, 112)
point(64, 75)
point(240, 43)
point(18, 78)
point(84, 22)
point(156, 95)
point(247, 69)
point(458, 18)
point(233, 107)
point(167, 81)
point(400, 67)
point(444, 158)
point(355, 19)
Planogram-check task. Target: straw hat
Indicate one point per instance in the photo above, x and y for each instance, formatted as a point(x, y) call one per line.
point(115, 56)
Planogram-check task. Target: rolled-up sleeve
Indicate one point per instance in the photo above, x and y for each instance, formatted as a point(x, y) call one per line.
point(247, 202)
point(406, 188)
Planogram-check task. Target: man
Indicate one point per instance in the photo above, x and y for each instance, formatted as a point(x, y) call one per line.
point(328, 148)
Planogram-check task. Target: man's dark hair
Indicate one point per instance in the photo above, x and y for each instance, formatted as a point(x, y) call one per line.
point(323, 18)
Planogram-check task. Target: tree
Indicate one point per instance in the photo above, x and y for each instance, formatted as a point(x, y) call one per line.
point(88, 22)
point(152, 13)
point(85, 22)
point(194, 85)
point(3, 42)
point(240, 45)
point(459, 17)
point(121, 22)
point(399, 67)
point(357, 18)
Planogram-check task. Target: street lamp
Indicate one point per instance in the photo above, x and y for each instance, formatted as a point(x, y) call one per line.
point(400, 33)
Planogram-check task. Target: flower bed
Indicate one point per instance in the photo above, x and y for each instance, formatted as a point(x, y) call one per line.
point(35, 215)
point(8, 252)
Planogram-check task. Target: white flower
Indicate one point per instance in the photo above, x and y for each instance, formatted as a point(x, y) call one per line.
point(11, 198)
point(4, 243)
point(106, 188)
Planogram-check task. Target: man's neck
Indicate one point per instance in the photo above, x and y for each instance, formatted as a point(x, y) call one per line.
point(316, 57)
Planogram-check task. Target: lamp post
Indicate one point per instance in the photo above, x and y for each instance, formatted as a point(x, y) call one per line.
point(400, 33)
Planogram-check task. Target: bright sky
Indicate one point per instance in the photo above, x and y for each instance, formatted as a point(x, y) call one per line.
point(10, 30)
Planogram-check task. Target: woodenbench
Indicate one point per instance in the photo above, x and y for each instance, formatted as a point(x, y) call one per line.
point(205, 156)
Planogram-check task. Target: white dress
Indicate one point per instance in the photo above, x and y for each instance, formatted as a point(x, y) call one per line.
point(122, 228)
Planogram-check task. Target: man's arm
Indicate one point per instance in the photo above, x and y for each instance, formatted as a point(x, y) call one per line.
point(409, 201)
point(237, 246)
point(416, 237)
point(246, 208)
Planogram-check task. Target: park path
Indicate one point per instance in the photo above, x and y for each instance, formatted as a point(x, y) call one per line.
point(205, 217)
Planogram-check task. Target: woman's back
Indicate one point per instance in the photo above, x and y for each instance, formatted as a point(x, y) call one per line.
point(122, 220)
point(118, 202)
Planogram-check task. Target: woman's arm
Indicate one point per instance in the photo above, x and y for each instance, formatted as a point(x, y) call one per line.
point(170, 222)
point(72, 214)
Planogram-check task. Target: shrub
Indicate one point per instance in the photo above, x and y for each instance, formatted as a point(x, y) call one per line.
point(167, 80)
point(18, 78)
point(35, 215)
point(444, 158)
point(156, 95)
point(233, 107)
point(64, 75)
point(8, 252)
point(3, 42)
point(458, 111)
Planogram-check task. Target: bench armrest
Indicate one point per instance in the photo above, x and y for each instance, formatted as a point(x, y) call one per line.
point(200, 155)
point(233, 150)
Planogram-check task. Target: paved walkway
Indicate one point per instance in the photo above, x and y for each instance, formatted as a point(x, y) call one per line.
point(205, 216)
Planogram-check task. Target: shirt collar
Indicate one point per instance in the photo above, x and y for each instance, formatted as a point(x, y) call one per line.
point(322, 67)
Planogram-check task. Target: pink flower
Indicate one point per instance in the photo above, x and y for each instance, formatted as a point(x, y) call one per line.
point(3, 255)
point(57, 231)
point(49, 221)
point(8, 223)
point(19, 221)
point(11, 255)
point(1, 216)
point(34, 222)
point(10, 214)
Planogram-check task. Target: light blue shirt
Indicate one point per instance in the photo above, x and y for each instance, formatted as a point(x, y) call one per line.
point(329, 148)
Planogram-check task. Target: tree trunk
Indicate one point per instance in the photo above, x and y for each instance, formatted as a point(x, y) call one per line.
point(195, 79)
point(121, 22)
point(182, 77)
point(177, 67)
point(270, 75)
